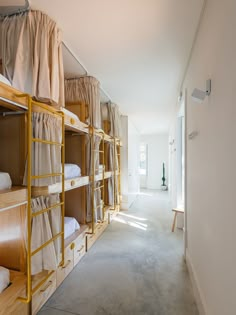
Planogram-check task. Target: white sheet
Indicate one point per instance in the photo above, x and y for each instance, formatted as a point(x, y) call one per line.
point(4, 80)
point(5, 181)
point(70, 226)
point(72, 170)
point(4, 278)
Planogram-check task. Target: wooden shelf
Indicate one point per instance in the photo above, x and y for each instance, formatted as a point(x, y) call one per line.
point(100, 176)
point(13, 197)
point(75, 125)
point(70, 184)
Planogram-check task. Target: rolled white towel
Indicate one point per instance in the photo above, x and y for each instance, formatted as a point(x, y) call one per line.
point(4, 278)
point(70, 226)
point(4, 80)
point(5, 181)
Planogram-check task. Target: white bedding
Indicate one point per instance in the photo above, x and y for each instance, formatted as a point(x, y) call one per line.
point(70, 226)
point(100, 168)
point(4, 80)
point(69, 113)
point(72, 170)
point(4, 278)
point(5, 181)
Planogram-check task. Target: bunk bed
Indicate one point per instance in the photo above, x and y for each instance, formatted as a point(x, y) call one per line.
point(111, 121)
point(58, 174)
point(53, 185)
point(82, 97)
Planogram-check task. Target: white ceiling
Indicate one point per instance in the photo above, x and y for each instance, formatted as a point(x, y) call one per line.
point(137, 49)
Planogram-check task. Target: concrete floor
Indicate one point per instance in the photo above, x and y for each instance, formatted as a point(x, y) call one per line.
point(135, 268)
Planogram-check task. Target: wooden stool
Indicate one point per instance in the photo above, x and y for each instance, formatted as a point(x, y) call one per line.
point(176, 211)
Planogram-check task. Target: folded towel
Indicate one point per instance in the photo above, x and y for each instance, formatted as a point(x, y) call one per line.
point(4, 278)
point(72, 170)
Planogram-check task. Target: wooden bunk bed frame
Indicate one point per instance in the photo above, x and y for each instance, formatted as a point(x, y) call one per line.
point(39, 288)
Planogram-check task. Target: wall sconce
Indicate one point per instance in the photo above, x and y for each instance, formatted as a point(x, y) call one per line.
point(199, 95)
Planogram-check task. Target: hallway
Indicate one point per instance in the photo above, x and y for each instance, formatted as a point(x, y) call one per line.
point(135, 268)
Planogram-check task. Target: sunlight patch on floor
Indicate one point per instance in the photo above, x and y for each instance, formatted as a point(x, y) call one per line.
point(132, 216)
point(135, 224)
point(141, 193)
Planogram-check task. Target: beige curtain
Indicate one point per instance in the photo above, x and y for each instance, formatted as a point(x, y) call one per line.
point(44, 227)
point(110, 112)
point(85, 89)
point(46, 158)
point(32, 56)
point(97, 199)
point(89, 170)
point(113, 181)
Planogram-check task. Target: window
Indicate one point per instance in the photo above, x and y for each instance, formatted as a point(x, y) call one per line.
point(143, 159)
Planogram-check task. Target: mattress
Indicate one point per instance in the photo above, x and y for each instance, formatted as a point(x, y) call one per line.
point(70, 226)
point(72, 170)
point(5, 181)
point(4, 80)
point(4, 278)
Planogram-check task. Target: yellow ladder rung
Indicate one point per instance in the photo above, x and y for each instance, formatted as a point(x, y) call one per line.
point(47, 209)
point(47, 175)
point(100, 205)
point(47, 243)
point(47, 142)
point(101, 151)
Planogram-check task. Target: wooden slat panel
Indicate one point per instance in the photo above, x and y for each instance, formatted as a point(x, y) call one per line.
point(13, 147)
point(12, 244)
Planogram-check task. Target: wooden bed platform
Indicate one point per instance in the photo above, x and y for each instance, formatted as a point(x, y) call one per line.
point(57, 188)
point(9, 99)
point(13, 197)
point(8, 298)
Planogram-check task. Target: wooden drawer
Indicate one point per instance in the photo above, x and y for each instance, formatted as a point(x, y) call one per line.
point(63, 271)
point(41, 296)
point(79, 248)
point(91, 239)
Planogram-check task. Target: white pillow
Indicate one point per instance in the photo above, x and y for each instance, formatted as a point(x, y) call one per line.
point(4, 278)
point(4, 80)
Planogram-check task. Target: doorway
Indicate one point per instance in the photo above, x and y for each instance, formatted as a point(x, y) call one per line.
point(143, 165)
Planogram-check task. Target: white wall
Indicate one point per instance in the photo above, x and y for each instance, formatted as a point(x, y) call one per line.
point(133, 161)
point(157, 154)
point(211, 161)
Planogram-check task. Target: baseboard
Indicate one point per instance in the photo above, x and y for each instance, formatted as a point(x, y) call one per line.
point(200, 301)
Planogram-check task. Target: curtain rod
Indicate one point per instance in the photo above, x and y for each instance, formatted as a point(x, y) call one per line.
point(15, 10)
point(82, 66)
